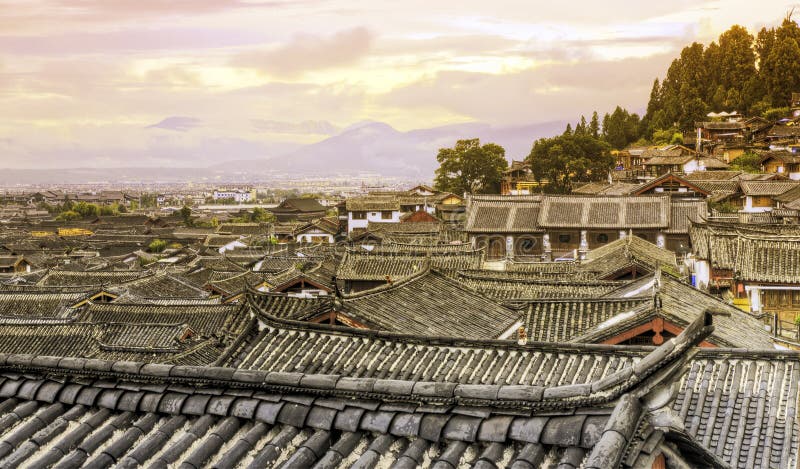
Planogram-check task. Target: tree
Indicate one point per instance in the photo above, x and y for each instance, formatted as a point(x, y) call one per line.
point(259, 215)
point(594, 126)
point(782, 67)
point(69, 215)
point(186, 215)
point(737, 62)
point(470, 167)
point(157, 245)
point(86, 210)
point(749, 163)
point(581, 127)
point(564, 159)
point(620, 128)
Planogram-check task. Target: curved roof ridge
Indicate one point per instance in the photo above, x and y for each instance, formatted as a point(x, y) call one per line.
point(672, 353)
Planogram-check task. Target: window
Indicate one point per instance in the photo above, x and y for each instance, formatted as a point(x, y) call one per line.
point(602, 238)
point(386, 215)
point(564, 238)
point(359, 215)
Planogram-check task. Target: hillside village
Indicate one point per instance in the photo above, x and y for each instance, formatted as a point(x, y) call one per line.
point(626, 296)
point(615, 326)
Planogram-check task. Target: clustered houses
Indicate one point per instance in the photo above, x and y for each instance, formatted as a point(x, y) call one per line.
point(395, 207)
point(756, 264)
point(527, 331)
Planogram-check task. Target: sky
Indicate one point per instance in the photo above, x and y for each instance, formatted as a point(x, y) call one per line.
point(176, 82)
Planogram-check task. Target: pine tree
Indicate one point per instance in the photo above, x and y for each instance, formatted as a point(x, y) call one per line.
point(594, 126)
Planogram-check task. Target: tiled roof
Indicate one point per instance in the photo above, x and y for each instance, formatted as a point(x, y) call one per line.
point(563, 320)
point(682, 213)
point(682, 304)
point(503, 214)
point(206, 320)
point(160, 284)
point(89, 278)
point(398, 262)
point(768, 260)
point(617, 254)
point(40, 304)
point(94, 413)
point(604, 212)
point(509, 290)
point(712, 175)
point(372, 203)
point(781, 155)
point(767, 188)
point(424, 305)
point(669, 160)
point(728, 186)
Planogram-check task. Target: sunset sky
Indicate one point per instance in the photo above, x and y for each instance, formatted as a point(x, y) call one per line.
point(126, 82)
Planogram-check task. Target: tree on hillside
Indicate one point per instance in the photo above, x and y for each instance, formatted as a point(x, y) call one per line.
point(620, 128)
point(594, 126)
point(564, 159)
point(738, 72)
point(782, 66)
point(470, 167)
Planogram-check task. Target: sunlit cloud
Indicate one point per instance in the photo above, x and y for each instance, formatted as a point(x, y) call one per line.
point(165, 80)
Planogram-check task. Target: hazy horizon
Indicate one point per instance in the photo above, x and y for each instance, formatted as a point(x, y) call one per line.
point(145, 83)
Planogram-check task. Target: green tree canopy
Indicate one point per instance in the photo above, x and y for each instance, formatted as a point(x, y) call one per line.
point(565, 159)
point(738, 72)
point(157, 245)
point(470, 167)
point(186, 214)
point(620, 128)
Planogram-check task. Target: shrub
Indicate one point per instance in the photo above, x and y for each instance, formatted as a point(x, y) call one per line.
point(157, 245)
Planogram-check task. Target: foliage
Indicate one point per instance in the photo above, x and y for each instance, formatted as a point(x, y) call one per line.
point(620, 128)
point(175, 246)
point(86, 210)
point(470, 167)
point(257, 215)
point(748, 162)
point(667, 137)
point(186, 215)
point(724, 207)
point(565, 159)
point(738, 72)
point(157, 245)
point(69, 215)
point(777, 113)
point(148, 200)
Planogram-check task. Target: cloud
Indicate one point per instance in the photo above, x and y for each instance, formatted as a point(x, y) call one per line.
point(300, 128)
point(307, 52)
point(546, 93)
point(177, 123)
point(127, 40)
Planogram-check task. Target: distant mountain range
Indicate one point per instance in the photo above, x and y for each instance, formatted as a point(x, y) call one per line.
point(377, 147)
point(367, 147)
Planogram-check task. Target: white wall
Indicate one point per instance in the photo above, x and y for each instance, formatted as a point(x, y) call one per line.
point(371, 217)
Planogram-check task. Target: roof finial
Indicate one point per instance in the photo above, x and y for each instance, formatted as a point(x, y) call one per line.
point(522, 336)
